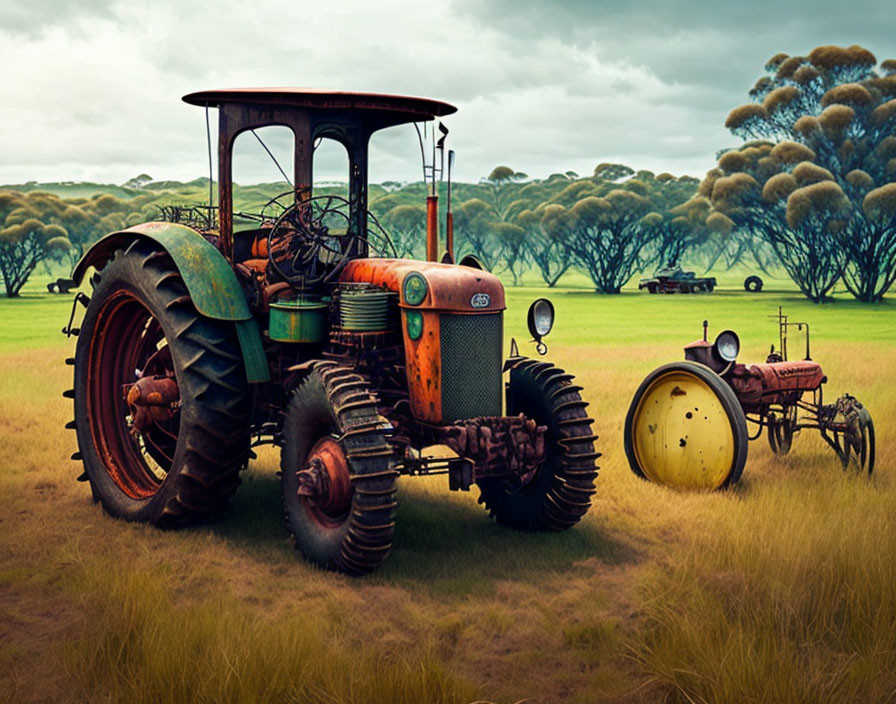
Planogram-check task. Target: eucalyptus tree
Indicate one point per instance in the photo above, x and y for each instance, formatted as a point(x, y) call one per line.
point(605, 235)
point(27, 236)
point(816, 181)
point(548, 247)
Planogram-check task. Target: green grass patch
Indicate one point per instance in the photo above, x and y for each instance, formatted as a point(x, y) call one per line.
point(782, 590)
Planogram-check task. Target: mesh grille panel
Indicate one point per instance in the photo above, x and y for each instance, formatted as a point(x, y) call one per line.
point(471, 365)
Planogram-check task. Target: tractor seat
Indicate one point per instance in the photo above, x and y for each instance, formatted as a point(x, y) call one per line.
point(251, 252)
point(256, 265)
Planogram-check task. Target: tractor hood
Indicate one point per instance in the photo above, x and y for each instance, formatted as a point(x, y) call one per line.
point(449, 287)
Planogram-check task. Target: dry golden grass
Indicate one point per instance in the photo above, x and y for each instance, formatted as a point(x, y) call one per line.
point(782, 590)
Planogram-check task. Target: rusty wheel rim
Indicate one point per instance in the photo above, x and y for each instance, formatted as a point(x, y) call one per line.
point(331, 499)
point(127, 339)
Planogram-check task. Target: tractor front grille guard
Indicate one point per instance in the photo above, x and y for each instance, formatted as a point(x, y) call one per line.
point(472, 347)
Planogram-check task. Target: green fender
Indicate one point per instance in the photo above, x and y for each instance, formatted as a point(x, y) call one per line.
point(208, 276)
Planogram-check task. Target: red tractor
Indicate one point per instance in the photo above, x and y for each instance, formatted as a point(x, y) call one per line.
point(687, 423)
point(202, 340)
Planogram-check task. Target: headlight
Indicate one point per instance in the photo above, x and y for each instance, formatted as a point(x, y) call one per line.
point(414, 322)
point(541, 318)
point(727, 345)
point(415, 289)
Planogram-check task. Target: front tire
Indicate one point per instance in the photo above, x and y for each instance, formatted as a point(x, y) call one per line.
point(332, 418)
point(559, 493)
point(686, 429)
point(141, 319)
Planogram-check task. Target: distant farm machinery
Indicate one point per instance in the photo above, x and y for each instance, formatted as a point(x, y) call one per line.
point(687, 423)
point(673, 279)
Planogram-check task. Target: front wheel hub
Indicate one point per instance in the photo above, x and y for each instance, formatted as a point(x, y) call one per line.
point(325, 480)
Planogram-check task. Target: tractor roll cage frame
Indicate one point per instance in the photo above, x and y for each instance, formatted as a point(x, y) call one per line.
point(348, 118)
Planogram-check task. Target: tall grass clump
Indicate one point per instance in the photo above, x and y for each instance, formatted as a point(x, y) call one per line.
point(774, 604)
point(147, 646)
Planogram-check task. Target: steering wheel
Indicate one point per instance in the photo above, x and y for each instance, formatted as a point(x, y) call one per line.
point(311, 240)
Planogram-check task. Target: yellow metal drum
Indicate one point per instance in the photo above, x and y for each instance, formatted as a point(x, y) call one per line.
point(685, 429)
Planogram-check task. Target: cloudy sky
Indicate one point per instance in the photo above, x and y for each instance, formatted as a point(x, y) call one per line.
point(91, 90)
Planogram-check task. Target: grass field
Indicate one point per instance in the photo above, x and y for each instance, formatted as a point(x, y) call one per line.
point(782, 590)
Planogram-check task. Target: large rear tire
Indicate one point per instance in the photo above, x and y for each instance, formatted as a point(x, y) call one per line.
point(686, 429)
point(141, 319)
point(559, 493)
point(332, 420)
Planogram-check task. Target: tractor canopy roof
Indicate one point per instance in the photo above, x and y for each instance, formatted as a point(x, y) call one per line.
point(311, 115)
point(379, 109)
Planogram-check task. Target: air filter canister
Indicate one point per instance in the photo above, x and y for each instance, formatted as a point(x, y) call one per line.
point(366, 308)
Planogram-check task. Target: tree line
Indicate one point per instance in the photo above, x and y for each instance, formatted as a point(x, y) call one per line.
point(812, 190)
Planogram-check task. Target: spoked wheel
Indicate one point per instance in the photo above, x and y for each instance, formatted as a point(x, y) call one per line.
point(853, 438)
point(161, 408)
point(558, 493)
point(685, 428)
point(781, 431)
point(338, 472)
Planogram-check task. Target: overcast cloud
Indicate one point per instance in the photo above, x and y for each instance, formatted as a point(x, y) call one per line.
point(91, 90)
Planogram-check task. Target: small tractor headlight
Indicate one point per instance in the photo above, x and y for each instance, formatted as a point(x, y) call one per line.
point(414, 322)
point(415, 289)
point(541, 318)
point(727, 345)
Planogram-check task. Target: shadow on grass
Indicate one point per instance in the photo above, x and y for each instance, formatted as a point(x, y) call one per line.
point(253, 519)
point(458, 544)
point(448, 543)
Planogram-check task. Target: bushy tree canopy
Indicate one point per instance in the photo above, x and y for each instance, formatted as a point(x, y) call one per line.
point(28, 235)
point(815, 181)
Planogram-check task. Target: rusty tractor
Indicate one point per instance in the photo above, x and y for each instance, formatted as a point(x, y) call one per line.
point(687, 423)
point(202, 339)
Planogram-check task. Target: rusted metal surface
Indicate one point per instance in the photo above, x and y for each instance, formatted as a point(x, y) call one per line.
point(151, 400)
point(432, 228)
point(325, 480)
point(213, 287)
point(499, 445)
point(124, 341)
point(377, 356)
point(423, 362)
point(786, 396)
point(451, 288)
point(378, 107)
point(774, 382)
point(348, 118)
point(485, 447)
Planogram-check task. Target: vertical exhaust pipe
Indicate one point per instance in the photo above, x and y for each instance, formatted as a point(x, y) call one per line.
point(449, 216)
point(432, 200)
point(432, 227)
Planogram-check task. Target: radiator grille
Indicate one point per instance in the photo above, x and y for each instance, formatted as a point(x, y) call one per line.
point(471, 365)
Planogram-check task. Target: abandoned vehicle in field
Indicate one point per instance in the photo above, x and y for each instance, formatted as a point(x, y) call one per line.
point(299, 328)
